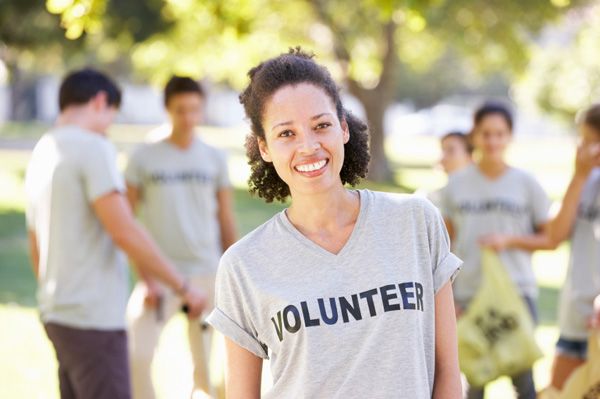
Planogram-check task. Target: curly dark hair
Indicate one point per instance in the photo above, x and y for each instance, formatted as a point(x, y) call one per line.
point(293, 68)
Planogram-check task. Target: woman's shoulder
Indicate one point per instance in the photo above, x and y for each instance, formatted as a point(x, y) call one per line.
point(256, 242)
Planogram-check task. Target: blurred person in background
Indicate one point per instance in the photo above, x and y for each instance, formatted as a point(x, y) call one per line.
point(487, 198)
point(578, 220)
point(77, 219)
point(180, 186)
point(457, 151)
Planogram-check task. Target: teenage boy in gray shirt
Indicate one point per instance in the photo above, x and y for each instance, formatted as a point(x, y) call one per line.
point(181, 187)
point(77, 219)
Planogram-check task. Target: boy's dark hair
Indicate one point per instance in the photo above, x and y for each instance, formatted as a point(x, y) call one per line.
point(80, 86)
point(591, 117)
point(292, 68)
point(464, 139)
point(182, 84)
point(493, 108)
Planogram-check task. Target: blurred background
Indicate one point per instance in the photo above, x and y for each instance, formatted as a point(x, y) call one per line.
point(414, 69)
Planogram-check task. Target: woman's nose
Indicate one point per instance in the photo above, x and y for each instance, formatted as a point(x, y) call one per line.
point(309, 143)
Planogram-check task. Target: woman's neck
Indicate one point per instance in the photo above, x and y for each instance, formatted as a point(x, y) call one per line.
point(324, 212)
point(492, 168)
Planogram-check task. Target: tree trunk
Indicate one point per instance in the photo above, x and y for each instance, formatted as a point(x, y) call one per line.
point(22, 94)
point(379, 168)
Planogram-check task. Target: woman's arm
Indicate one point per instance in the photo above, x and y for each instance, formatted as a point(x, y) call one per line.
point(243, 372)
point(447, 374)
point(530, 242)
point(551, 234)
point(587, 158)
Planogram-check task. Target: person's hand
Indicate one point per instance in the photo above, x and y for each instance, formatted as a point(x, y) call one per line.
point(195, 302)
point(153, 293)
point(594, 321)
point(587, 158)
point(497, 242)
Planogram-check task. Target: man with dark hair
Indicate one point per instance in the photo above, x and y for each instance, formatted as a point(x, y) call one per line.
point(77, 217)
point(182, 188)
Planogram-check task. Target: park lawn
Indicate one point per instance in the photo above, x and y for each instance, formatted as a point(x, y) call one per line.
point(31, 368)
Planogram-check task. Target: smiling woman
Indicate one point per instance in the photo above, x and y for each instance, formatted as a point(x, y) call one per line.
point(346, 291)
point(306, 80)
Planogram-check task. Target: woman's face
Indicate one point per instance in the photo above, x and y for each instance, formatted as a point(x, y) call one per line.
point(304, 138)
point(454, 154)
point(492, 136)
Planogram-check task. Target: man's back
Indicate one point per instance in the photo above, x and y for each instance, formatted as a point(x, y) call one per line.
point(82, 275)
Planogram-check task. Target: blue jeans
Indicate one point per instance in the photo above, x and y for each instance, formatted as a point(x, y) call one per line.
point(523, 383)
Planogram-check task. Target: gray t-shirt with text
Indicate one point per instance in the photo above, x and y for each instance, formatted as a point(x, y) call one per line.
point(359, 324)
point(179, 201)
point(83, 276)
point(513, 204)
point(582, 284)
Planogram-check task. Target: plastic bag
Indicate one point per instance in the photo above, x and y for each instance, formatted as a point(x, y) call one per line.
point(584, 383)
point(496, 333)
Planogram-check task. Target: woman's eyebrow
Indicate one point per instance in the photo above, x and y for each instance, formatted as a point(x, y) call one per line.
point(292, 122)
point(282, 124)
point(320, 115)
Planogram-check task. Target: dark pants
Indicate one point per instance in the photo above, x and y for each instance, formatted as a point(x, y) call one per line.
point(92, 364)
point(523, 383)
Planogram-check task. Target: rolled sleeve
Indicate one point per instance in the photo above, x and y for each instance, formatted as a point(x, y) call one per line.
point(232, 330)
point(446, 271)
point(445, 265)
point(234, 315)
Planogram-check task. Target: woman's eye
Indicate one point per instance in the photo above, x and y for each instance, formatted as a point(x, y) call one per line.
point(323, 125)
point(286, 133)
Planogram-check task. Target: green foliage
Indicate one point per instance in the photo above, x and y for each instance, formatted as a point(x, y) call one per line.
point(564, 75)
point(221, 39)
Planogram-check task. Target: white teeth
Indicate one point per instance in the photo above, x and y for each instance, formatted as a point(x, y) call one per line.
point(311, 166)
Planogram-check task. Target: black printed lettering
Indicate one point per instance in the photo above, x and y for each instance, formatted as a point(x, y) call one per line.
point(308, 322)
point(385, 298)
point(297, 322)
point(405, 294)
point(368, 295)
point(353, 309)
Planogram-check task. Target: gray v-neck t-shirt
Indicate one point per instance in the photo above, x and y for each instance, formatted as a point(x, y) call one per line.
point(357, 324)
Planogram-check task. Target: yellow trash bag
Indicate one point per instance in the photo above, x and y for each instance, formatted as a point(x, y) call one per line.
point(584, 383)
point(496, 333)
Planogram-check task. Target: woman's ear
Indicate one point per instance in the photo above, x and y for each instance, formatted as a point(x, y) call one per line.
point(264, 150)
point(346, 130)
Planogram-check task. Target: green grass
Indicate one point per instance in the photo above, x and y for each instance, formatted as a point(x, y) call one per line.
point(31, 370)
